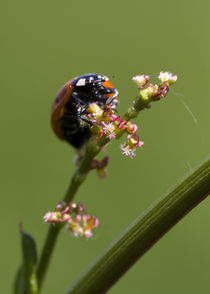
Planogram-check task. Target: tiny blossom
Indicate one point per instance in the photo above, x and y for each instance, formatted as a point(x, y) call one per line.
point(109, 125)
point(140, 144)
point(81, 207)
point(59, 206)
point(167, 77)
point(141, 80)
point(49, 216)
point(74, 218)
point(108, 128)
point(127, 150)
point(152, 90)
point(87, 234)
point(66, 217)
point(112, 136)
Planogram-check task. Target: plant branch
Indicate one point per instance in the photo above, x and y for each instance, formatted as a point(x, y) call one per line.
point(77, 179)
point(92, 148)
point(146, 230)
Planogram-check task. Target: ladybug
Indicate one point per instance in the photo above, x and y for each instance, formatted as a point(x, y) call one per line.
point(72, 101)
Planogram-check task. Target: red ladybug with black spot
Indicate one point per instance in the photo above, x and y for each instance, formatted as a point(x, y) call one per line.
point(72, 101)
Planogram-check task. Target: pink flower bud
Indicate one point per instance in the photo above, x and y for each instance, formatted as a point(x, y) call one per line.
point(132, 128)
point(140, 144)
point(122, 124)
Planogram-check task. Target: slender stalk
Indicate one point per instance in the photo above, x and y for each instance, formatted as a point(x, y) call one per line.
point(47, 253)
point(146, 230)
point(92, 149)
point(51, 238)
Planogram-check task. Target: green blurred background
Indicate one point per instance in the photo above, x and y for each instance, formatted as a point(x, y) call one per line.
point(46, 43)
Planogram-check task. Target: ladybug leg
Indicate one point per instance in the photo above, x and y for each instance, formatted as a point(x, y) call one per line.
point(81, 107)
point(86, 120)
point(72, 121)
point(104, 91)
point(77, 99)
point(112, 99)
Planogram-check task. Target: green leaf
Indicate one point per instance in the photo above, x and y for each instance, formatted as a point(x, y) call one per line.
point(143, 233)
point(26, 281)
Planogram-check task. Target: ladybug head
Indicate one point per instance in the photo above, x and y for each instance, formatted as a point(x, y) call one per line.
point(90, 79)
point(96, 87)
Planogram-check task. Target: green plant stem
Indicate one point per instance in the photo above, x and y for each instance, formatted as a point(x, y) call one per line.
point(47, 253)
point(78, 178)
point(146, 230)
point(92, 149)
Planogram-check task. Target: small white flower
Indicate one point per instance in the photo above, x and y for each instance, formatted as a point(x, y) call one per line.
point(50, 217)
point(127, 151)
point(167, 77)
point(140, 80)
point(112, 136)
point(108, 128)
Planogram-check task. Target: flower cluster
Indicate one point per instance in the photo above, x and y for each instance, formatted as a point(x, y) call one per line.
point(74, 217)
point(155, 91)
point(106, 124)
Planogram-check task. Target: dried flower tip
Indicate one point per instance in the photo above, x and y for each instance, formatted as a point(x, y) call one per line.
point(167, 77)
point(141, 80)
point(102, 173)
point(100, 166)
